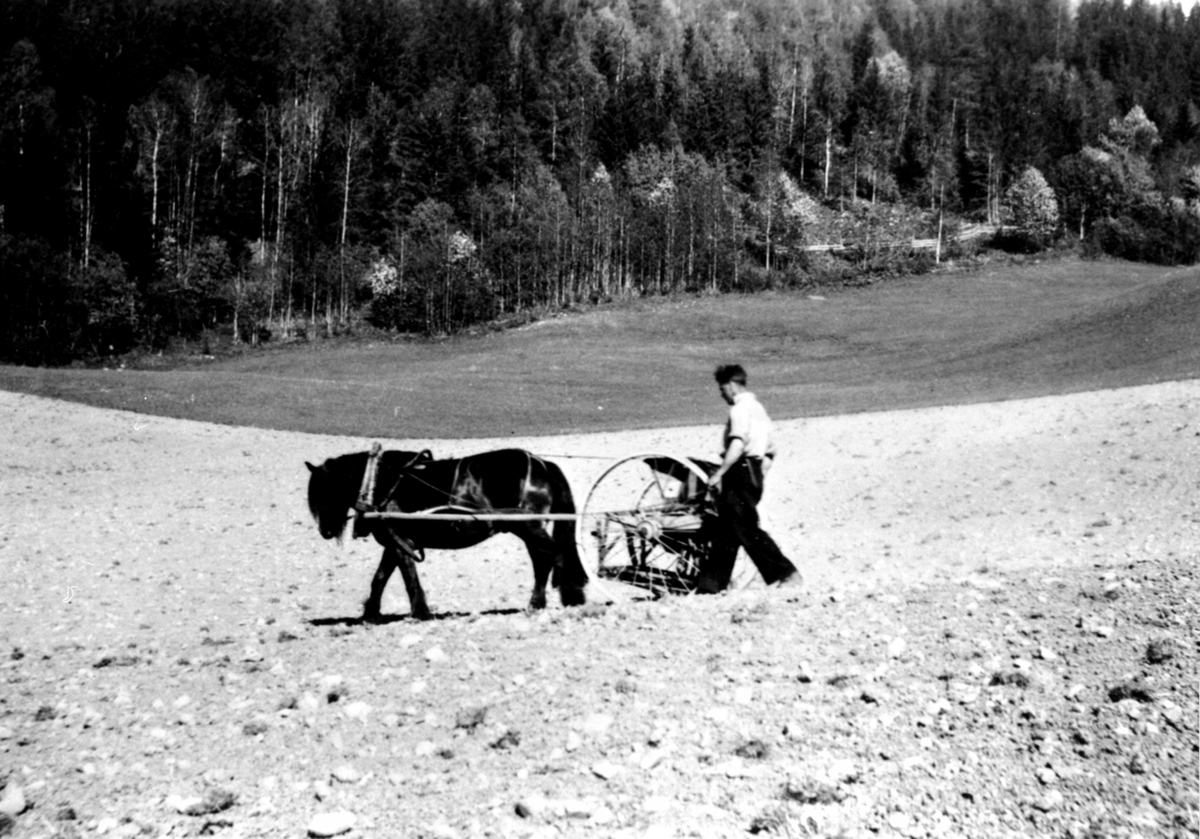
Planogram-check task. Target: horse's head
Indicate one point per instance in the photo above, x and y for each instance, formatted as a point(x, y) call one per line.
point(332, 491)
point(333, 486)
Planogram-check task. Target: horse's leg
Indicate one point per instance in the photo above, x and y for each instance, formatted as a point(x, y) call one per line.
point(572, 580)
point(543, 564)
point(387, 564)
point(412, 584)
point(569, 574)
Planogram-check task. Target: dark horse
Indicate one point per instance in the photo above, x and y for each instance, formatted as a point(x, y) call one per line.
point(506, 481)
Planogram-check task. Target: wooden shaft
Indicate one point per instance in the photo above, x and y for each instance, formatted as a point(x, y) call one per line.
point(481, 516)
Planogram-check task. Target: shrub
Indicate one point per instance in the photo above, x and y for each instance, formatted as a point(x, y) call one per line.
point(1152, 232)
point(39, 308)
point(1032, 208)
point(111, 300)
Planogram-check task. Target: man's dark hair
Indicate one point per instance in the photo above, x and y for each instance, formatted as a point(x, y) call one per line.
point(727, 373)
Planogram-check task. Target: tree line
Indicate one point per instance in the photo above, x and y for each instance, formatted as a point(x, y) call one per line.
point(174, 166)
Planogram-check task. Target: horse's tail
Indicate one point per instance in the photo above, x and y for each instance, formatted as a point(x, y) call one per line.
point(569, 577)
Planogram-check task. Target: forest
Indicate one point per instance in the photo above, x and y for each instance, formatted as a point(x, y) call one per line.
point(275, 170)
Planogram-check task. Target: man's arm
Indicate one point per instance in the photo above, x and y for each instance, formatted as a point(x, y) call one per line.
point(769, 458)
point(733, 454)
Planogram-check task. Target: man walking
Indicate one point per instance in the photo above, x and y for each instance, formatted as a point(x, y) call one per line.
point(738, 484)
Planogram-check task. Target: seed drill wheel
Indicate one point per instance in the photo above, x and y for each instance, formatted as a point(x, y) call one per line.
point(642, 523)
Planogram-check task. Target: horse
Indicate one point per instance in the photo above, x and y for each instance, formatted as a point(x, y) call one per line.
point(502, 481)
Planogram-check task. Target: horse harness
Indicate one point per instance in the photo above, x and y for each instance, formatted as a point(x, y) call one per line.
point(366, 498)
point(367, 493)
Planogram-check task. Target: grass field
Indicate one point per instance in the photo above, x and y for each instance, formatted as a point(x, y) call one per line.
point(992, 334)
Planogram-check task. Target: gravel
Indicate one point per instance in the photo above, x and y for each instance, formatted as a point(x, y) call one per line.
point(999, 638)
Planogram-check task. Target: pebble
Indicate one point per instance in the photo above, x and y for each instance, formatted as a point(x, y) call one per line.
point(347, 774)
point(597, 723)
point(357, 711)
point(333, 686)
point(657, 804)
point(13, 802)
point(603, 815)
point(1160, 650)
point(180, 804)
point(435, 654)
point(532, 806)
point(651, 759)
point(733, 769)
point(471, 718)
point(1050, 801)
point(331, 824)
point(964, 693)
point(842, 771)
point(606, 770)
point(575, 808)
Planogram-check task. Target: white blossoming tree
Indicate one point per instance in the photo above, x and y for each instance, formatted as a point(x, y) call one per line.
point(1031, 207)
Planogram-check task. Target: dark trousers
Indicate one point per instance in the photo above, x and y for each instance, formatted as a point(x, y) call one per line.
point(736, 524)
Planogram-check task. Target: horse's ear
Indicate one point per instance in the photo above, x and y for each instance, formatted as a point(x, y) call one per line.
point(311, 468)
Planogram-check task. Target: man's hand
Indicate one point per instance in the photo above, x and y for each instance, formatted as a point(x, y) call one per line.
point(733, 454)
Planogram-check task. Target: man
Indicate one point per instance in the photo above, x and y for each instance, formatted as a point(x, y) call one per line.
point(738, 484)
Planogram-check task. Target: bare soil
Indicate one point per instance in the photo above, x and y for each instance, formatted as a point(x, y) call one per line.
point(998, 637)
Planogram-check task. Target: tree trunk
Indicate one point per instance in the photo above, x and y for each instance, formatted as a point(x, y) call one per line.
point(342, 285)
point(828, 155)
point(941, 212)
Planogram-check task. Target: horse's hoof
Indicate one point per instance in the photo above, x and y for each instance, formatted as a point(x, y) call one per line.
point(423, 615)
point(372, 617)
point(573, 596)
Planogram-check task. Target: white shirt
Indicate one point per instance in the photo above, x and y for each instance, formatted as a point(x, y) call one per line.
point(749, 422)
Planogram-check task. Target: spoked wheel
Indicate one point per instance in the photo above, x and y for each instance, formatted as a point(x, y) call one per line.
point(643, 523)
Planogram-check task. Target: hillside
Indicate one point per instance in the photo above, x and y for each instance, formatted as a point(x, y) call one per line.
point(998, 333)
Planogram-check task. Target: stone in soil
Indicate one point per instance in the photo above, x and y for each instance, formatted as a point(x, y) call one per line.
point(13, 802)
point(331, 824)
